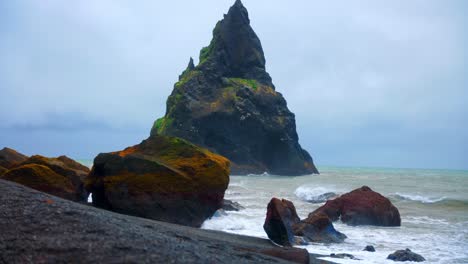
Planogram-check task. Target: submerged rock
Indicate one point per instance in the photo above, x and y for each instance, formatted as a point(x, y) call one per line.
point(343, 256)
point(42, 178)
point(229, 105)
point(10, 158)
point(281, 216)
point(406, 255)
point(369, 248)
point(322, 197)
point(362, 207)
point(162, 178)
point(318, 228)
point(229, 205)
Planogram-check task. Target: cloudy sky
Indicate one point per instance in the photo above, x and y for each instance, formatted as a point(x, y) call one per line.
point(372, 83)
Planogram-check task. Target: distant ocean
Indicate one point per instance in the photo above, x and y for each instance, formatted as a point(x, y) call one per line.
point(433, 205)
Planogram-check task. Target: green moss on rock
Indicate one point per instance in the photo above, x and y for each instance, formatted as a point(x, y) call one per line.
point(163, 178)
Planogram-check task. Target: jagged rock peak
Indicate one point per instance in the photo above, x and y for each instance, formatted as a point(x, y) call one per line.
point(189, 68)
point(235, 50)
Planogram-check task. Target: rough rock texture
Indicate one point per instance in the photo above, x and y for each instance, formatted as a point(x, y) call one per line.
point(66, 167)
point(9, 158)
point(318, 228)
point(405, 255)
point(162, 178)
point(39, 228)
point(228, 104)
point(2, 170)
point(281, 216)
point(362, 207)
point(44, 179)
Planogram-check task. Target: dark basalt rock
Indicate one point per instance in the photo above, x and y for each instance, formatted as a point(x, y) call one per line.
point(2, 170)
point(228, 104)
point(229, 205)
point(318, 228)
point(406, 255)
point(10, 158)
point(343, 256)
point(163, 178)
point(369, 248)
point(281, 216)
point(40, 228)
point(362, 207)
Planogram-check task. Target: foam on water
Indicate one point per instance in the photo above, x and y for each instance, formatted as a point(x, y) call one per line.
point(434, 225)
point(419, 198)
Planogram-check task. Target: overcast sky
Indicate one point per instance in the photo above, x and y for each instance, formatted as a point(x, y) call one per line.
point(372, 83)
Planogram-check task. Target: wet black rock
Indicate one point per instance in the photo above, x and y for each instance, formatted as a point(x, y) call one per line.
point(343, 256)
point(322, 197)
point(229, 205)
point(369, 248)
point(406, 255)
point(228, 104)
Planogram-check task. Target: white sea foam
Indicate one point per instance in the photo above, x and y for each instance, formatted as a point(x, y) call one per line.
point(436, 232)
point(419, 198)
point(311, 193)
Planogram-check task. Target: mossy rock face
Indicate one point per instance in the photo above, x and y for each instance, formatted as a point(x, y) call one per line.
point(229, 105)
point(66, 167)
point(42, 178)
point(10, 158)
point(163, 178)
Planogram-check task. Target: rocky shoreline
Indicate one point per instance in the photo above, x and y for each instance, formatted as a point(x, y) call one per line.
point(39, 228)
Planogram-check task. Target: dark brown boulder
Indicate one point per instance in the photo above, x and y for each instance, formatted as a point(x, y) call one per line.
point(281, 216)
point(318, 228)
point(162, 178)
point(362, 207)
point(42, 178)
point(296, 255)
point(2, 170)
point(67, 167)
point(9, 158)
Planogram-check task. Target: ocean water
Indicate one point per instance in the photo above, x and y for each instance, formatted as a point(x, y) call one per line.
point(433, 205)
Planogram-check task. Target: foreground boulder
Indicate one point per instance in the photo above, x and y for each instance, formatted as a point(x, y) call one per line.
point(9, 158)
point(281, 216)
point(40, 228)
point(362, 207)
point(44, 179)
point(229, 105)
point(406, 255)
point(66, 167)
point(2, 170)
point(162, 178)
point(318, 228)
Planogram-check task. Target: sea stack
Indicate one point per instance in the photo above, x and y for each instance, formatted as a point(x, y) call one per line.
point(228, 104)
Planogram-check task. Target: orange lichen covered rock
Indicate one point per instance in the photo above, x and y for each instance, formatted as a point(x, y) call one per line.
point(9, 158)
point(42, 178)
point(163, 178)
point(66, 167)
